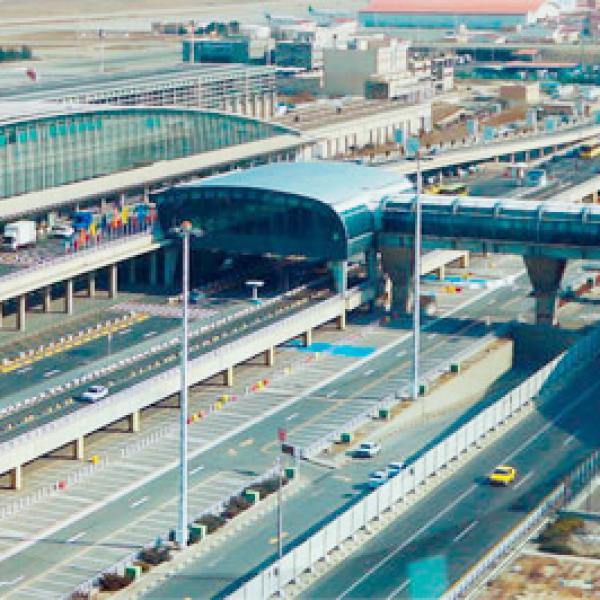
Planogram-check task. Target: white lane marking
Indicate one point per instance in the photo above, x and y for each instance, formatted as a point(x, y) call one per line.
point(369, 372)
point(464, 532)
point(290, 417)
point(125, 331)
point(149, 334)
point(12, 581)
point(51, 372)
point(401, 353)
point(523, 480)
point(24, 369)
point(407, 542)
point(506, 459)
point(568, 440)
point(139, 502)
point(76, 537)
point(399, 589)
point(331, 394)
point(158, 472)
point(196, 470)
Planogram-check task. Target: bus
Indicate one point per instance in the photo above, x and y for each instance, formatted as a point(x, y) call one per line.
point(590, 149)
point(453, 189)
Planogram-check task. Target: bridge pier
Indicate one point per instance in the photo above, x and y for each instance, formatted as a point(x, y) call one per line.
point(92, 284)
point(398, 263)
point(339, 270)
point(113, 276)
point(16, 478)
point(153, 269)
point(21, 312)
point(545, 275)
point(47, 298)
point(170, 257)
point(69, 297)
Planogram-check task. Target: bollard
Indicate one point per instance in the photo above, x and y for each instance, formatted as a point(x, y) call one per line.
point(197, 532)
point(455, 368)
point(252, 495)
point(133, 572)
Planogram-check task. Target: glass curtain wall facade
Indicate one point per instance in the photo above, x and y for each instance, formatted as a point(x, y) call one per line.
point(256, 221)
point(45, 152)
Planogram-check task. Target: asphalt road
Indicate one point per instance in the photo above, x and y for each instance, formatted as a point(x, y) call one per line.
point(101, 528)
point(45, 411)
point(431, 545)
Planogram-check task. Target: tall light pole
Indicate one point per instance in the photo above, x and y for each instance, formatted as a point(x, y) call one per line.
point(417, 284)
point(185, 230)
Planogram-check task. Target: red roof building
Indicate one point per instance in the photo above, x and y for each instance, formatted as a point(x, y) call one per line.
point(475, 14)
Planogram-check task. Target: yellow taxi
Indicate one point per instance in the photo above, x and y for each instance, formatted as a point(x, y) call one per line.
point(502, 475)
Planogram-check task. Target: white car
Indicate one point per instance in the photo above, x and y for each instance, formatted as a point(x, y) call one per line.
point(62, 230)
point(367, 450)
point(394, 468)
point(377, 478)
point(95, 393)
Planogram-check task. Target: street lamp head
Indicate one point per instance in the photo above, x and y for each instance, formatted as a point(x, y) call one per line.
point(186, 225)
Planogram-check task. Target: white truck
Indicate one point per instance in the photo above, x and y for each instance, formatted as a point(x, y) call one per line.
point(19, 234)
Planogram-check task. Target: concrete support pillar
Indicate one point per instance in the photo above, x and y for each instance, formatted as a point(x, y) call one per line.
point(545, 275)
point(463, 261)
point(69, 297)
point(339, 270)
point(270, 356)
point(79, 448)
point(441, 272)
point(341, 321)
point(398, 263)
point(372, 266)
point(21, 311)
point(134, 422)
point(146, 196)
point(170, 257)
point(16, 478)
point(132, 271)
point(307, 337)
point(1, 313)
point(47, 298)
point(113, 281)
point(153, 269)
point(92, 284)
point(228, 377)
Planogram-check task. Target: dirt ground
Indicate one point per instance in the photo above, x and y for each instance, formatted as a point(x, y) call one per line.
point(536, 577)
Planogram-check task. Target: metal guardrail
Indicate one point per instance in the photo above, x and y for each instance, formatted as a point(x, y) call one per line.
point(302, 557)
point(588, 469)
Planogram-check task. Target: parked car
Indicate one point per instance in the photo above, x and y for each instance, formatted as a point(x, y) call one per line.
point(377, 478)
point(62, 230)
point(367, 450)
point(95, 393)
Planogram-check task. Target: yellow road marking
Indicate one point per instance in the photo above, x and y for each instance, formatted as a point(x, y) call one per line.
point(275, 539)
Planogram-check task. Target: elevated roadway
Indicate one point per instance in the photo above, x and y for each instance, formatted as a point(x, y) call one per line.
point(165, 379)
point(546, 234)
point(507, 148)
point(115, 528)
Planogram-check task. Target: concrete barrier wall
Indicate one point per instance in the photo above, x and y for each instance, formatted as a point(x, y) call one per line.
point(88, 419)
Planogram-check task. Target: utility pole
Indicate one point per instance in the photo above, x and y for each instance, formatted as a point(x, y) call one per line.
point(417, 284)
point(183, 396)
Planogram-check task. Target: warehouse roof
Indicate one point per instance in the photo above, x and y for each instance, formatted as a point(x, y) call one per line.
point(492, 7)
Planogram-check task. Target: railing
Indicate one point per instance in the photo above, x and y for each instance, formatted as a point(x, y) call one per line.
point(302, 557)
point(578, 478)
point(90, 250)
